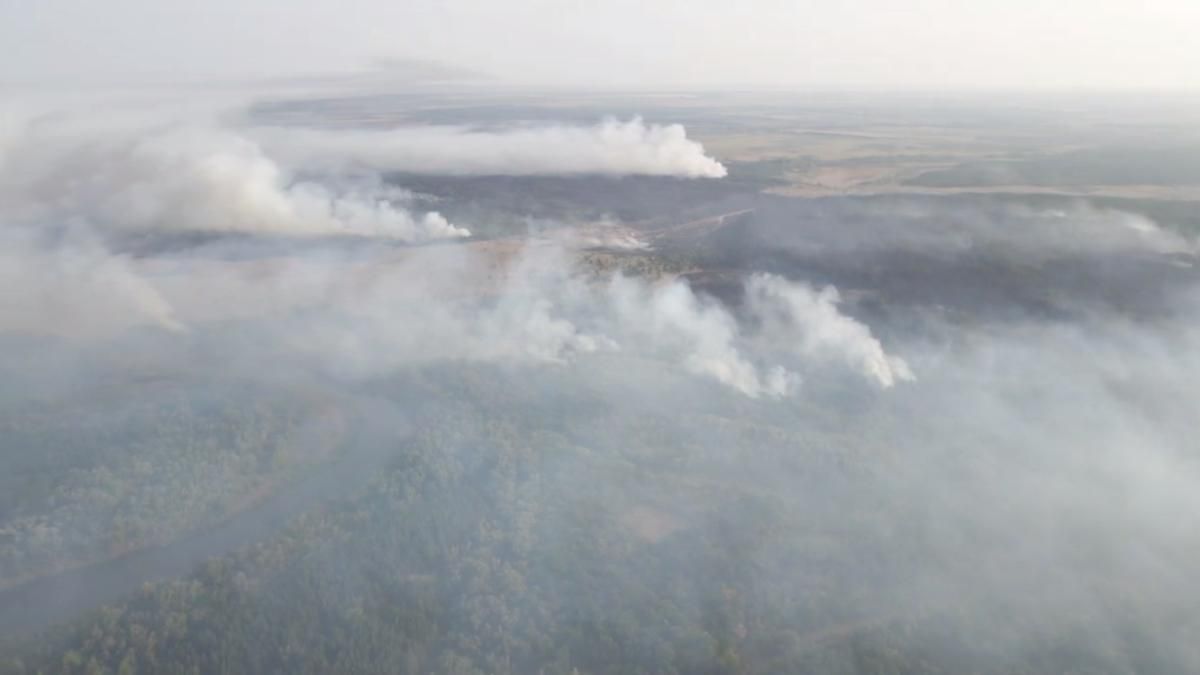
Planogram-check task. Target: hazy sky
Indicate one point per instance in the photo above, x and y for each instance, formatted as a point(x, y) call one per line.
point(852, 43)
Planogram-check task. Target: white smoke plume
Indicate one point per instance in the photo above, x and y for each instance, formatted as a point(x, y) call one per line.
point(363, 316)
point(474, 303)
point(190, 179)
point(441, 305)
point(610, 148)
point(703, 334)
point(814, 328)
point(785, 320)
point(130, 174)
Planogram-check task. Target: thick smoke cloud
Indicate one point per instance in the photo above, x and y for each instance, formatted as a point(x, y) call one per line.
point(132, 174)
point(70, 183)
point(360, 317)
point(816, 329)
point(180, 179)
point(610, 148)
point(786, 327)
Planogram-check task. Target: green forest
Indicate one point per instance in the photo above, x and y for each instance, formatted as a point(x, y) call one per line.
point(506, 531)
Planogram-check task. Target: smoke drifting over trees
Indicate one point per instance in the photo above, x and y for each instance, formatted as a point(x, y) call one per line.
point(336, 430)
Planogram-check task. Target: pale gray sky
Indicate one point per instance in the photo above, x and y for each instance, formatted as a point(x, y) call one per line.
point(852, 43)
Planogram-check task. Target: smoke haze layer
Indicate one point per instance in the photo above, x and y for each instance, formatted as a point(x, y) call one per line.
point(293, 414)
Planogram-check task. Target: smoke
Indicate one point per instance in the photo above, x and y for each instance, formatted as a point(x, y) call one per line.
point(171, 178)
point(126, 173)
point(809, 322)
point(612, 148)
point(534, 304)
point(771, 454)
point(674, 320)
point(967, 225)
point(72, 286)
point(1056, 458)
